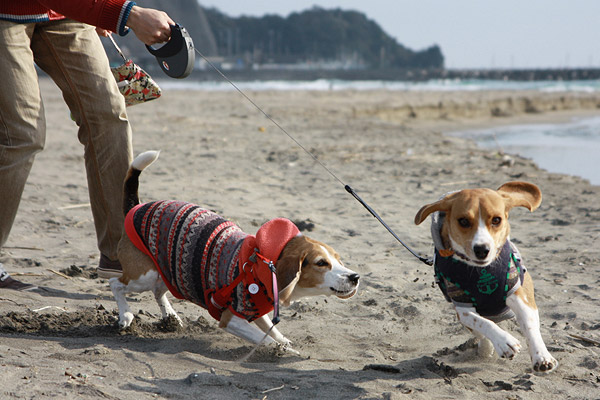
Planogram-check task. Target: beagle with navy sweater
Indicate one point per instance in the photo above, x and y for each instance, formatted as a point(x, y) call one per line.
point(480, 270)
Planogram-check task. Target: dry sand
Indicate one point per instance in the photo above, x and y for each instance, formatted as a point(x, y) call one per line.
point(396, 339)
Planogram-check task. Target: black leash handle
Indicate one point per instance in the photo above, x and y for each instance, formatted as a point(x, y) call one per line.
point(427, 261)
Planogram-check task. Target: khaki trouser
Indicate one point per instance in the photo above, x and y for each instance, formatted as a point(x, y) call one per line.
point(72, 55)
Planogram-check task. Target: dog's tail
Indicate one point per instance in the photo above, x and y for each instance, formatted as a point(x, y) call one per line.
point(132, 182)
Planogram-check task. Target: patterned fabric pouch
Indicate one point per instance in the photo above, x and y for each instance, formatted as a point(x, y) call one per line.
point(134, 83)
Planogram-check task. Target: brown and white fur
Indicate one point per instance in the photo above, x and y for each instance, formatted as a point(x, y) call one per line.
point(305, 267)
point(476, 226)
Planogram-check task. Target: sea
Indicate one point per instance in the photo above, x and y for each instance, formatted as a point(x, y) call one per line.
point(571, 147)
point(431, 85)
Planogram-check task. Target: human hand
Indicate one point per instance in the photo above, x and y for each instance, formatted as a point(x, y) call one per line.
point(149, 25)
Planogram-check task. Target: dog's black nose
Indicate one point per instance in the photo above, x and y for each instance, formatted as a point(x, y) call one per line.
point(481, 251)
point(354, 278)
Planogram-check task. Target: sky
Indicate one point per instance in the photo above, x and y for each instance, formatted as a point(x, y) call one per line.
point(471, 33)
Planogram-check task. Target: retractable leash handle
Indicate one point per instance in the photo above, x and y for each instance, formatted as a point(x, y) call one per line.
point(176, 57)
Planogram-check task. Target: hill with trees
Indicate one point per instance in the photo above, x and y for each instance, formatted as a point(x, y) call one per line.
point(332, 42)
point(316, 35)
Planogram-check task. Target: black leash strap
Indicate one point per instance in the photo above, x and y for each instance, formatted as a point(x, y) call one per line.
point(347, 187)
point(427, 261)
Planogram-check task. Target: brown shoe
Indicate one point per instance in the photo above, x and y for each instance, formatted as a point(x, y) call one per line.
point(108, 268)
point(7, 282)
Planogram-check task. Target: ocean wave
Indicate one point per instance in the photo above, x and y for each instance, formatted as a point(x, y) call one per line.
point(437, 85)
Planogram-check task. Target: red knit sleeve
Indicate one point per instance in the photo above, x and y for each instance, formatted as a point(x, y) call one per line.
point(107, 14)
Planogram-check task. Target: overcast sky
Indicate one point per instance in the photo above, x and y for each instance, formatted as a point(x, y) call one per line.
point(471, 33)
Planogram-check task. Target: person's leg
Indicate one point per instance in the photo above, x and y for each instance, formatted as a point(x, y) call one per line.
point(22, 127)
point(72, 54)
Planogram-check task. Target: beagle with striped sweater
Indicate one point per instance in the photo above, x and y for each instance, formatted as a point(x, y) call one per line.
point(199, 256)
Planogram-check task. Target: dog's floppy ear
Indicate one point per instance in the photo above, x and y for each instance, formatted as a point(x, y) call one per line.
point(441, 205)
point(289, 267)
point(521, 194)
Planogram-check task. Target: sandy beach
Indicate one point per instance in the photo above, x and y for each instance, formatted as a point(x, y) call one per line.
point(397, 338)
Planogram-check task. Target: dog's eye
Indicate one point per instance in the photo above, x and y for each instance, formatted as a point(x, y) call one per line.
point(496, 221)
point(322, 263)
point(464, 222)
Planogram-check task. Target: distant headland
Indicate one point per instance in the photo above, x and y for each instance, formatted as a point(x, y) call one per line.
point(313, 44)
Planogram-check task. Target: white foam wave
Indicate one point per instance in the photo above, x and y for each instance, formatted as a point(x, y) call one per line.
point(432, 85)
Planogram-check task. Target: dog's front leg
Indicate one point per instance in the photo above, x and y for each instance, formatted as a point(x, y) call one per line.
point(528, 318)
point(243, 329)
point(506, 345)
point(264, 323)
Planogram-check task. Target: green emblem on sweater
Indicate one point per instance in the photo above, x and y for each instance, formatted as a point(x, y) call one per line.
point(487, 282)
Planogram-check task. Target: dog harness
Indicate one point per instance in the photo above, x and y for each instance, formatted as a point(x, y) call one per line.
point(484, 288)
point(208, 260)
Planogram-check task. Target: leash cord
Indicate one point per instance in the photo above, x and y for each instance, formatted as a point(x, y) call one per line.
point(347, 187)
point(425, 260)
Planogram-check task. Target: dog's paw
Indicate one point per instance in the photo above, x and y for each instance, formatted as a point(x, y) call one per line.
point(284, 341)
point(288, 348)
point(544, 363)
point(125, 320)
point(179, 321)
point(508, 348)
